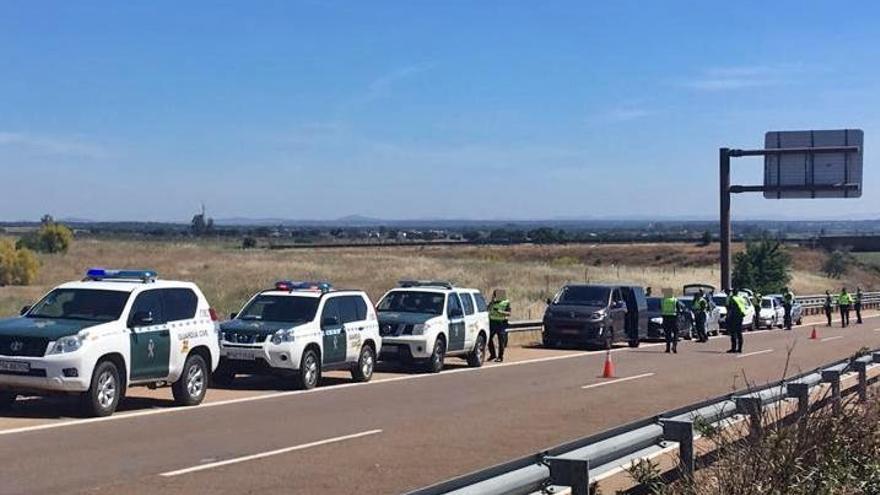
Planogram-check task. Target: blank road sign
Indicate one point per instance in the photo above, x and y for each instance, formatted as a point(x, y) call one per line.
point(813, 170)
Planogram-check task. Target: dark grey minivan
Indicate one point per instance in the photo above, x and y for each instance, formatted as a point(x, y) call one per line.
point(596, 316)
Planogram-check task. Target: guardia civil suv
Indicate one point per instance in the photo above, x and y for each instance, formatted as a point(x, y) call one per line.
point(298, 329)
point(113, 330)
point(423, 322)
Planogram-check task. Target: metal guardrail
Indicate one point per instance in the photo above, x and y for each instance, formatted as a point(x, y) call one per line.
point(575, 464)
point(811, 304)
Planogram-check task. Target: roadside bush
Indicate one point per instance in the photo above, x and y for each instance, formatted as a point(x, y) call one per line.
point(18, 266)
point(248, 243)
point(836, 264)
point(764, 266)
point(51, 238)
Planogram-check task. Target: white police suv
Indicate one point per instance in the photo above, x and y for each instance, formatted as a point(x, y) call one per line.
point(425, 321)
point(110, 331)
point(300, 329)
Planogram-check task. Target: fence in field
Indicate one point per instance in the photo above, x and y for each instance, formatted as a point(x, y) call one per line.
point(669, 440)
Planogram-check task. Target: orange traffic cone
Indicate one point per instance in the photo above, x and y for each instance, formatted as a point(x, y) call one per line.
point(814, 336)
point(608, 370)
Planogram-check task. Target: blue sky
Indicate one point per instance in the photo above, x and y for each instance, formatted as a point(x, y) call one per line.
point(416, 109)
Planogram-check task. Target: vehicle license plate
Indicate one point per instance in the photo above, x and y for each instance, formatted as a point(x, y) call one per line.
point(241, 354)
point(15, 366)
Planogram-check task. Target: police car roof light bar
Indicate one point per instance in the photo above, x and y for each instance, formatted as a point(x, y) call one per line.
point(291, 285)
point(425, 283)
point(99, 274)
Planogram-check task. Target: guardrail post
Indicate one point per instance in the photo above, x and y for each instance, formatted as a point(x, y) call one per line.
point(573, 473)
point(754, 408)
point(801, 392)
point(683, 433)
point(876, 357)
point(833, 377)
point(862, 368)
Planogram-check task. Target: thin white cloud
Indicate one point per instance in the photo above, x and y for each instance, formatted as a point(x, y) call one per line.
point(383, 86)
point(52, 145)
point(742, 77)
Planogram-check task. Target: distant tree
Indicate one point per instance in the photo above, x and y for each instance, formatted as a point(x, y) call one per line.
point(706, 239)
point(543, 235)
point(764, 266)
point(18, 265)
point(50, 238)
point(836, 263)
point(248, 243)
point(472, 235)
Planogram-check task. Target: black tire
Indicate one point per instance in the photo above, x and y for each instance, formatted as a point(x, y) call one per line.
point(309, 370)
point(478, 356)
point(545, 341)
point(7, 399)
point(223, 376)
point(363, 370)
point(689, 333)
point(634, 343)
point(105, 391)
point(609, 339)
point(438, 356)
point(800, 321)
point(191, 387)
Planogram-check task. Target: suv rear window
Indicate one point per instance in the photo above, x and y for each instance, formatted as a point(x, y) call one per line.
point(180, 304)
point(482, 307)
point(467, 302)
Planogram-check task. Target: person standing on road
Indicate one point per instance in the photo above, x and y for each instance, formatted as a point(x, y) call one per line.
point(787, 303)
point(669, 312)
point(829, 307)
point(735, 314)
point(844, 300)
point(858, 305)
point(700, 307)
point(499, 316)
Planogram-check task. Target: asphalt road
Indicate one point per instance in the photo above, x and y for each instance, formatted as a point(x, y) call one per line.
point(399, 432)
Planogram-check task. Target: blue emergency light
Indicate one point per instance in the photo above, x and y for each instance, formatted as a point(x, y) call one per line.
point(105, 274)
point(292, 285)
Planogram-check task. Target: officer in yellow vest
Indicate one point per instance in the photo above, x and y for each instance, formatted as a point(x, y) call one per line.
point(499, 316)
point(669, 312)
point(701, 306)
point(844, 300)
point(736, 311)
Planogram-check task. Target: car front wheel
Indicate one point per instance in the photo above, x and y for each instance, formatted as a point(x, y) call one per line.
point(438, 356)
point(363, 370)
point(191, 387)
point(309, 370)
point(105, 391)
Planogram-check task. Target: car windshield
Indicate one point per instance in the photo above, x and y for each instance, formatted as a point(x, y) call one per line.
point(411, 301)
point(584, 295)
point(720, 300)
point(653, 304)
point(81, 304)
point(285, 309)
point(766, 303)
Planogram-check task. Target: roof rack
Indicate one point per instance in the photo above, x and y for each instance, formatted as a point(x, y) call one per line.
point(425, 283)
point(307, 286)
point(103, 274)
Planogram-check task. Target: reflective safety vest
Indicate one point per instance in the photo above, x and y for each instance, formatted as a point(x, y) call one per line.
point(669, 306)
point(701, 305)
point(788, 297)
point(844, 299)
point(499, 310)
point(740, 303)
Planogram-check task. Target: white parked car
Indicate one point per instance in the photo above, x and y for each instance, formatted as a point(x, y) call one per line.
point(113, 330)
point(721, 300)
point(301, 329)
point(426, 321)
point(771, 314)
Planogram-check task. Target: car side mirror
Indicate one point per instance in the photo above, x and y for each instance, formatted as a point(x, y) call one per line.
point(142, 319)
point(24, 310)
point(330, 321)
point(232, 316)
point(549, 301)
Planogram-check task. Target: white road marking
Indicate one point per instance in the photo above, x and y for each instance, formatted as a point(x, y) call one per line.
point(262, 455)
point(826, 339)
point(765, 351)
point(619, 380)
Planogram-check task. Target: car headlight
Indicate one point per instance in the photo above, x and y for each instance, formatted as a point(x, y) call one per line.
point(67, 344)
point(598, 315)
point(419, 329)
point(282, 336)
point(657, 320)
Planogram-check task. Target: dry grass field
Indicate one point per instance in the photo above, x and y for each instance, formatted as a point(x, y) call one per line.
point(229, 275)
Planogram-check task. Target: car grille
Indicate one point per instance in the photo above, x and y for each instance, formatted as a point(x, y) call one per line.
point(244, 338)
point(23, 346)
point(395, 329)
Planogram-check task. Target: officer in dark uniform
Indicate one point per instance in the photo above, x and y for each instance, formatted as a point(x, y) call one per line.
point(700, 307)
point(828, 307)
point(858, 305)
point(669, 312)
point(736, 311)
point(787, 303)
point(499, 316)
